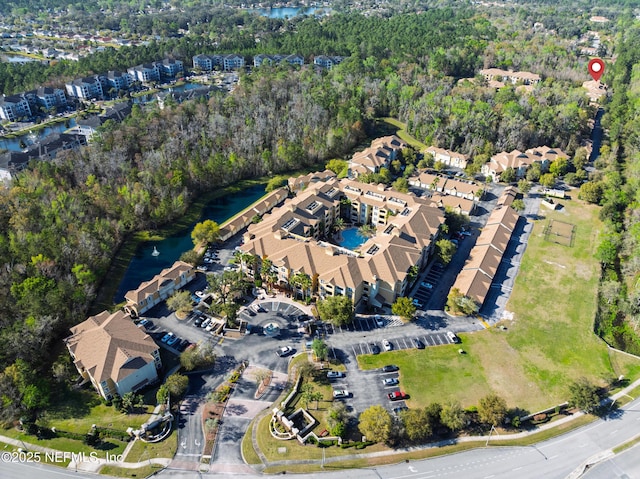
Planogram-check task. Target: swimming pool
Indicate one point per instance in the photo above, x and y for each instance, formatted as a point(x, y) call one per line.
point(351, 238)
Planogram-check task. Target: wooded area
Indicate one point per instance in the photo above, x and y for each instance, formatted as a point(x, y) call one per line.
point(61, 222)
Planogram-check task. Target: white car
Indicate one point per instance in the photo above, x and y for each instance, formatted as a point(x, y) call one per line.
point(390, 382)
point(341, 394)
point(387, 345)
point(283, 351)
point(200, 294)
point(335, 374)
point(453, 337)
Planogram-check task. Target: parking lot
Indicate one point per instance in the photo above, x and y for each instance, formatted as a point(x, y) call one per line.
point(366, 388)
point(427, 285)
point(362, 324)
point(433, 339)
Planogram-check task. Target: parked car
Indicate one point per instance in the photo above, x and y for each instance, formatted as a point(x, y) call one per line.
point(166, 337)
point(202, 268)
point(340, 394)
point(183, 345)
point(172, 340)
point(424, 284)
point(390, 368)
point(453, 337)
point(261, 309)
point(284, 351)
point(390, 381)
point(417, 343)
point(335, 374)
point(199, 320)
point(250, 312)
point(143, 322)
point(200, 294)
point(398, 410)
point(205, 323)
point(387, 345)
point(374, 348)
point(397, 396)
point(379, 320)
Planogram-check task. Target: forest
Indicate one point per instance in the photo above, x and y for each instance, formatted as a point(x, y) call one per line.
point(62, 222)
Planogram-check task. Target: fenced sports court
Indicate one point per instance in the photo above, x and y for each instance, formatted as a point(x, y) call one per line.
point(560, 232)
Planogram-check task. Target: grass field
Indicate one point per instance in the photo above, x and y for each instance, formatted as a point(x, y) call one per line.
point(404, 134)
point(548, 344)
point(143, 451)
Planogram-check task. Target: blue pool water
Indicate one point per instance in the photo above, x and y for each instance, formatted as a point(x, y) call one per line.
point(351, 238)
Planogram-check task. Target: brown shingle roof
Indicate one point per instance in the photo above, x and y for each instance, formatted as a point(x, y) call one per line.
point(148, 288)
point(110, 346)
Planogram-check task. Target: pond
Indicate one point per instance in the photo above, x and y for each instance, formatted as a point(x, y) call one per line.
point(289, 12)
point(20, 142)
point(351, 238)
point(146, 264)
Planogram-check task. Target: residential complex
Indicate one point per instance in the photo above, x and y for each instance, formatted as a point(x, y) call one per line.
point(159, 288)
point(501, 77)
point(379, 155)
point(520, 162)
point(327, 62)
point(115, 355)
point(263, 59)
point(376, 272)
point(231, 61)
point(449, 158)
point(478, 272)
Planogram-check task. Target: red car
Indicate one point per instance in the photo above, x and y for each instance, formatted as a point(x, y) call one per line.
point(397, 396)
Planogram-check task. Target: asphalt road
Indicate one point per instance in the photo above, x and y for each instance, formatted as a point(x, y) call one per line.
point(562, 457)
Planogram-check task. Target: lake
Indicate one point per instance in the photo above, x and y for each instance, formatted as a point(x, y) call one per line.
point(14, 144)
point(289, 12)
point(144, 265)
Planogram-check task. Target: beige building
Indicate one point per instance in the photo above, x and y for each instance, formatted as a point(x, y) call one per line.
point(507, 76)
point(449, 158)
point(114, 354)
point(521, 161)
point(377, 271)
point(159, 288)
point(379, 155)
point(474, 281)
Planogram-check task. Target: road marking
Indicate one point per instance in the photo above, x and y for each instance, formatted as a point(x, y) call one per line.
point(517, 468)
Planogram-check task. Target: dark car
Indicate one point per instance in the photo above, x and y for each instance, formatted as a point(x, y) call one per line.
point(182, 345)
point(417, 343)
point(390, 368)
point(261, 309)
point(398, 410)
point(375, 349)
point(250, 312)
point(199, 320)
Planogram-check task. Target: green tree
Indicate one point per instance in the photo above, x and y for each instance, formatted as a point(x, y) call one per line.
point(559, 167)
point(336, 165)
point(337, 310)
point(207, 231)
point(320, 349)
point(524, 186)
point(518, 205)
point(376, 424)
point(337, 418)
point(445, 250)
point(584, 395)
point(548, 180)
point(492, 410)
point(191, 257)
point(455, 221)
point(453, 416)
point(226, 284)
point(177, 385)
point(180, 302)
point(591, 191)
point(302, 281)
point(404, 308)
point(508, 175)
point(198, 356)
point(580, 159)
point(401, 184)
point(275, 183)
point(416, 424)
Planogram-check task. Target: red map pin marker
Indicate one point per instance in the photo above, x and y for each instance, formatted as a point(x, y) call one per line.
point(596, 68)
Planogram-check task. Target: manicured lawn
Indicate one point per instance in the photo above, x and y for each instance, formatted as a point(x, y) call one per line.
point(248, 452)
point(434, 374)
point(143, 451)
point(78, 410)
point(548, 344)
point(112, 446)
point(404, 134)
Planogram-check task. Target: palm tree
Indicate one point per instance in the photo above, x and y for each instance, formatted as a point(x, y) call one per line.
point(338, 224)
point(302, 281)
